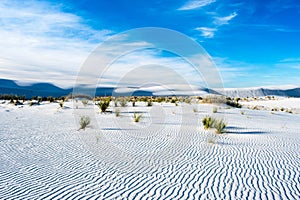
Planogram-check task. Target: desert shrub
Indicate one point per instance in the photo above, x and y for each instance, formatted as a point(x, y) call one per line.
point(233, 104)
point(289, 111)
point(187, 100)
point(214, 99)
point(133, 103)
point(220, 126)
point(237, 99)
point(242, 112)
point(40, 99)
point(160, 99)
point(84, 122)
point(17, 103)
point(116, 102)
point(149, 102)
point(173, 100)
point(117, 112)
point(274, 109)
point(208, 122)
point(50, 99)
point(123, 101)
point(282, 109)
point(84, 102)
point(136, 117)
point(195, 110)
point(215, 109)
point(211, 140)
point(103, 105)
point(61, 104)
point(31, 103)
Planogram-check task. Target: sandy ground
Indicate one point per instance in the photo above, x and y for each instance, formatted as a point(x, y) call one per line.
point(167, 155)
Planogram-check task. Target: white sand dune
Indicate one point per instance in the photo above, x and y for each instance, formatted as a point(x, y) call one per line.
point(284, 91)
point(165, 156)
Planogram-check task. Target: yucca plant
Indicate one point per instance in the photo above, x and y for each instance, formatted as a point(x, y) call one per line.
point(103, 105)
point(123, 101)
point(61, 104)
point(85, 102)
point(149, 103)
point(117, 112)
point(84, 122)
point(136, 117)
point(215, 109)
point(220, 126)
point(208, 122)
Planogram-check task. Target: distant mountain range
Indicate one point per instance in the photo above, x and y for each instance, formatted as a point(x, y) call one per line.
point(47, 89)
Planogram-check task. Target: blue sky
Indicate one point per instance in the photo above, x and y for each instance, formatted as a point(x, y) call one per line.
point(253, 43)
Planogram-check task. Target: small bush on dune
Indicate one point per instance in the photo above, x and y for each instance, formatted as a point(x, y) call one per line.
point(103, 105)
point(137, 117)
point(215, 109)
point(208, 122)
point(233, 104)
point(149, 102)
point(220, 126)
point(117, 112)
point(85, 102)
point(61, 104)
point(195, 110)
point(84, 122)
point(123, 101)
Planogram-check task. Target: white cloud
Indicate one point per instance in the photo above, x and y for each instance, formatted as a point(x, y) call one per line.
point(224, 20)
point(41, 43)
point(206, 31)
point(194, 4)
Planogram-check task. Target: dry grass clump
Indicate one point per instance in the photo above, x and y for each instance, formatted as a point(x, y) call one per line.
point(84, 122)
point(84, 102)
point(214, 99)
point(61, 104)
point(103, 105)
point(210, 122)
point(215, 109)
point(117, 112)
point(149, 102)
point(137, 117)
point(220, 126)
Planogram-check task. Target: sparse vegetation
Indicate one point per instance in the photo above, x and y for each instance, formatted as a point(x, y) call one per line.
point(61, 104)
point(211, 140)
point(84, 122)
point(137, 117)
point(103, 105)
point(208, 122)
point(84, 102)
point(233, 104)
point(123, 101)
point(149, 102)
point(117, 112)
point(195, 110)
point(220, 126)
point(215, 109)
point(242, 112)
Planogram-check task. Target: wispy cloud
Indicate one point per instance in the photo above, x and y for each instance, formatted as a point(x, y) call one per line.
point(206, 31)
point(41, 42)
point(194, 4)
point(224, 20)
point(289, 63)
point(209, 32)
